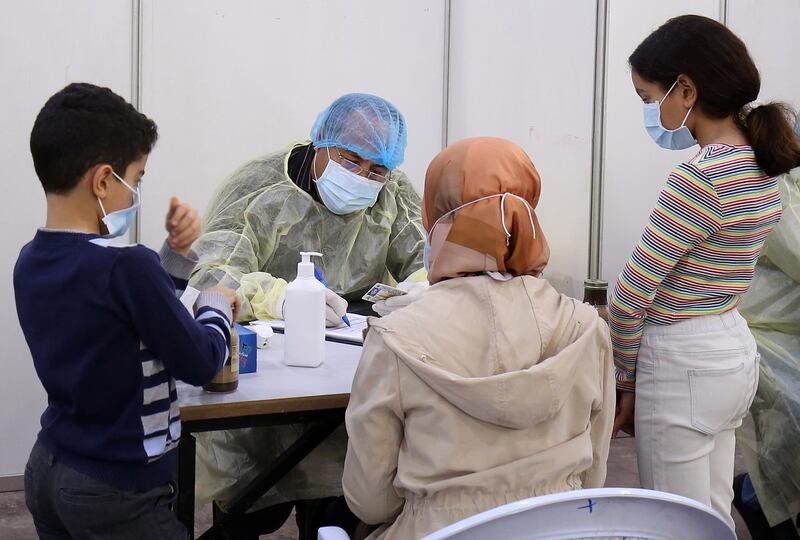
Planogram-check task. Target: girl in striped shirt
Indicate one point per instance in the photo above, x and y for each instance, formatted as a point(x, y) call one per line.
point(687, 365)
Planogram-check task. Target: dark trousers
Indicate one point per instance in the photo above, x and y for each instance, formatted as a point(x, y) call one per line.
point(68, 504)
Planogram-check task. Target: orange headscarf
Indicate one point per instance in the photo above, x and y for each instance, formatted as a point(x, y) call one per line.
point(480, 237)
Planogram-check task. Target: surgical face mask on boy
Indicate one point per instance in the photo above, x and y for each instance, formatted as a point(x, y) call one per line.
point(120, 221)
point(671, 139)
point(344, 192)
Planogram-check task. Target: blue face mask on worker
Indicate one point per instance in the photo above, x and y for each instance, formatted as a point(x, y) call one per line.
point(120, 221)
point(345, 192)
point(671, 139)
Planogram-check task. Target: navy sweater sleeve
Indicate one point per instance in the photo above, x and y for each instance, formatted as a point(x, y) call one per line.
point(191, 350)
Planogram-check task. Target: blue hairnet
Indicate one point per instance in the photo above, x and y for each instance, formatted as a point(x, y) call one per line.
point(365, 124)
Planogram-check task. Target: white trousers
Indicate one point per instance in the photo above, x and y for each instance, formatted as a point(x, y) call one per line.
point(695, 382)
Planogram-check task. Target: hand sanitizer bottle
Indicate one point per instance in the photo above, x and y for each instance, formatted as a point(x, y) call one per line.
point(304, 316)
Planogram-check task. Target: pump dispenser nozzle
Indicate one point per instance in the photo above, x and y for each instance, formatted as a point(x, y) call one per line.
point(305, 268)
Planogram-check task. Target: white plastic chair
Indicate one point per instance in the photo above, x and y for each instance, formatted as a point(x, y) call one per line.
point(586, 513)
point(331, 533)
point(594, 513)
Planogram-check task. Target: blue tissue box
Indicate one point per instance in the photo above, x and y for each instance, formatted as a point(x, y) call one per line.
point(248, 353)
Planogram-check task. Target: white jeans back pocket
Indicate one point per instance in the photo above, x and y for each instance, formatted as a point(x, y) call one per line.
point(720, 397)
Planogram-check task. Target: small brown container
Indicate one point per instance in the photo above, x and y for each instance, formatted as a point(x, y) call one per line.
point(227, 380)
point(595, 293)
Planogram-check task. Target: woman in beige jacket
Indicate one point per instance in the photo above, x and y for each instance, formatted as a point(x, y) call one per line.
point(490, 388)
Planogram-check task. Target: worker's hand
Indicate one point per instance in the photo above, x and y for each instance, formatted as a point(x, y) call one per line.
point(414, 290)
point(183, 226)
point(335, 309)
point(231, 296)
point(624, 413)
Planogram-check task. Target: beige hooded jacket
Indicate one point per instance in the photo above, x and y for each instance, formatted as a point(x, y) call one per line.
point(480, 393)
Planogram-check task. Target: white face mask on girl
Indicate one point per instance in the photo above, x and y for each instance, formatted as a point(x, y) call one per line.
point(671, 139)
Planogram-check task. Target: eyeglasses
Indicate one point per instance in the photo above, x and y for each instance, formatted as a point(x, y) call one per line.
point(355, 168)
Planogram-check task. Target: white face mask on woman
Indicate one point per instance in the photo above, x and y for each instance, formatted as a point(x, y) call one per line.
point(426, 251)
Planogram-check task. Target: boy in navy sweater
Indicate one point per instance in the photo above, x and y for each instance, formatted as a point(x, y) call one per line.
point(106, 330)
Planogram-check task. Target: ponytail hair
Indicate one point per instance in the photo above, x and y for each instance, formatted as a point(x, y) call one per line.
point(727, 83)
point(770, 133)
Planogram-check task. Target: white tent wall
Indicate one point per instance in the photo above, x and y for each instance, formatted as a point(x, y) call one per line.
point(228, 81)
point(43, 46)
point(635, 168)
point(771, 31)
point(525, 72)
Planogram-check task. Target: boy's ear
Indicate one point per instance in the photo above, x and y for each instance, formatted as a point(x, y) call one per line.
point(99, 178)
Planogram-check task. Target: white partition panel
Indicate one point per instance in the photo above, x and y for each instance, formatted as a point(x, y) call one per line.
point(771, 31)
point(524, 71)
point(229, 81)
point(635, 167)
point(43, 47)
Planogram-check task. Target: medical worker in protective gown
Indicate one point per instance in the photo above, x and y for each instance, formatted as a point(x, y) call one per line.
point(339, 194)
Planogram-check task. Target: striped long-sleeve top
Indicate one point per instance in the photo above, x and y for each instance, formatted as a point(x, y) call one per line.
point(698, 250)
point(108, 337)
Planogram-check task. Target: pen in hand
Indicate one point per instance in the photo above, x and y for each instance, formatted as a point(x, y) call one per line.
point(321, 279)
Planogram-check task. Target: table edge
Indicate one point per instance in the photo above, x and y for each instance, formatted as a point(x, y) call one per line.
point(212, 411)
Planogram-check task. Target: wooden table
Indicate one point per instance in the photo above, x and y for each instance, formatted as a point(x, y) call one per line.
point(275, 394)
